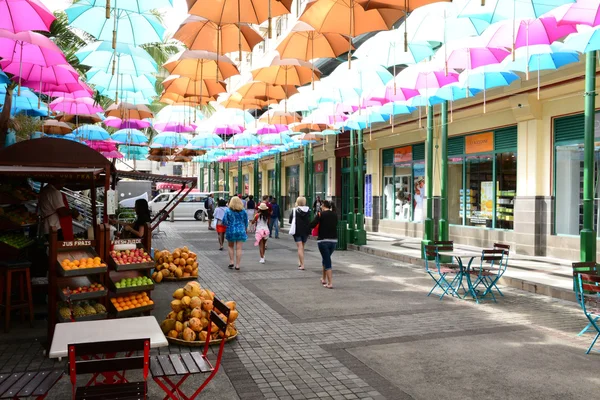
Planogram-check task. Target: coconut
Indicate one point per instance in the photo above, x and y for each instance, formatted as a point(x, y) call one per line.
point(192, 289)
point(173, 334)
point(178, 294)
point(196, 302)
point(196, 313)
point(195, 324)
point(186, 300)
point(177, 305)
point(189, 335)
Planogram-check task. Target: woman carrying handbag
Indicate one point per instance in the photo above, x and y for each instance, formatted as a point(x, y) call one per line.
point(299, 220)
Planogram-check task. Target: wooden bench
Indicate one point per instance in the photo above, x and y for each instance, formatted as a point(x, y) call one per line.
point(21, 385)
point(91, 364)
point(165, 368)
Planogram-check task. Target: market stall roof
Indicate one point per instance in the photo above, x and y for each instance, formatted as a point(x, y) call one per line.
point(157, 178)
point(44, 174)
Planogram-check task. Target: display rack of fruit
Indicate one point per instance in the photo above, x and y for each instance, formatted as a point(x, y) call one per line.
point(81, 288)
point(127, 260)
point(81, 311)
point(18, 241)
point(132, 284)
point(187, 324)
point(134, 304)
point(182, 264)
point(80, 263)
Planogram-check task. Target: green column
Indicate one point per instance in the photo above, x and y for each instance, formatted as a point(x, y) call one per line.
point(351, 226)
point(305, 164)
point(444, 233)
point(278, 183)
point(311, 173)
point(226, 188)
point(240, 188)
point(210, 170)
point(360, 235)
point(428, 223)
point(255, 181)
point(587, 235)
point(216, 178)
point(201, 177)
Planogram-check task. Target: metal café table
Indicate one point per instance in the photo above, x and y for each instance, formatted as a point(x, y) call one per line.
point(459, 255)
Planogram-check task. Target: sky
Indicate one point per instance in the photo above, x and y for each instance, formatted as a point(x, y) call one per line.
point(172, 17)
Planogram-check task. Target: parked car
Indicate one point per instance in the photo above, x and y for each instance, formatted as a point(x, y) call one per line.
point(192, 205)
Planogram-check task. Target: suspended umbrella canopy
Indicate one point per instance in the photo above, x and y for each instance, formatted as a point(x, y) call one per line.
point(200, 64)
point(543, 57)
point(362, 75)
point(178, 113)
point(169, 140)
point(31, 48)
point(265, 129)
point(199, 33)
point(487, 77)
point(309, 127)
point(279, 117)
point(395, 108)
point(265, 91)
point(91, 133)
point(454, 91)
point(26, 103)
point(389, 48)
point(582, 12)
point(124, 59)
point(84, 105)
point(425, 76)
point(177, 99)
point(102, 145)
point(119, 123)
point(80, 119)
point(124, 82)
point(133, 152)
point(287, 72)
point(585, 41)
point(237, 101)
point(303, 42)
point(23, 16)
point(391, 92)
point(470, 53)
point(137, 6)
point(54, 127)
point(498, 10)
point(526, 32)
point(62, 89)
point(242, 140)
point(174, 126)
point(68, 136)
point(325, 116)
point(232, 116)
point(144, 97)
point(128, 111)
point(130, 27)
point(276, 139)
point(129, 136)
point(189, 87)
point(204, 140)
point(4, 78)
point(56, 74)
point(228, 129)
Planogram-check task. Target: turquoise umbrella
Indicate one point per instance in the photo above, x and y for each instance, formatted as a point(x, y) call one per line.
point(125, 59)
point(131, 28)
point(129, 136)
point(91, 132)
point(169, 139)
point(276, 139)
point(27, 103)
point(3, 78)
point(138, 6)
point(121, 82)
point(203, 141)
point(487, 77)
point(133, 152)
point(242, 140)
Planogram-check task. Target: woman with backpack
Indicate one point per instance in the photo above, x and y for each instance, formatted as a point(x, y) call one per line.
point(299, 227)
point(326, 221)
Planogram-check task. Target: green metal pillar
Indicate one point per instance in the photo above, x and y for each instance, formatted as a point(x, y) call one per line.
point(444, 225)
point(226, 188)
point(255, 190)
point(310, 193)
point(216, 181)
point(351, 231)
point(201, 177)
point(360, 238)
point(210, 174)
point(428, 223)
point(305, 164)
point(240, 188)
point(278, 184)
point(587, 235)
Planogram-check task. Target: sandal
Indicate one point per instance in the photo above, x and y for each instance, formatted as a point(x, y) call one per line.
point(237, 268)
point(324, 283)
point(328, 286)
point(230, 266)
point(300, 267)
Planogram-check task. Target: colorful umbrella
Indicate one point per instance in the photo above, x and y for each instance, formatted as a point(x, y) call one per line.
point(582, 12)
point(389, 49)
point(51, 126)
point(138, 6)
point(200, 64)
point(133, 152)
point(203, 141)
point(287, 72)
point(125, 59)
point(188, 87)
point(487, 77)
point(362, 75)
point(265, 129)
point(470, 53)
point(128, 111)
point(498, 10)
point(588, 39)
point(276, 139)
point(425, 76)
point(303, 42)
point(3, 78)
point(32, 73)
point(91, 133)
point(119, 123)
point(113, 83)
point(232, 116)
point(265, 91)
point(174, 126)
point(279, 117)
point(83, 105)
point(22, 16)
point(122, 26)
point(129, 136)
point(169, 140)
point(228, 129)
point(242, 140)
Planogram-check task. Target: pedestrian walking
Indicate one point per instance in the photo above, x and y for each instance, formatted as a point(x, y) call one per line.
point(275, 217)
point(209, 206)
point(326, 223)
point(262, 230)
point(219, 215)
point(250, 208)
point(299, 227)
point(317, 205)
point(236, 221)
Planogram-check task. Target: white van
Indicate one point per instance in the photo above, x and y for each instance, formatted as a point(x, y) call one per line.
point(192, 205)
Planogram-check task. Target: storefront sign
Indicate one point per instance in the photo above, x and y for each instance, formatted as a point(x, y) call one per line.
point(368, 195)
point(480, 143)
point(319, 167)
point(402, 154)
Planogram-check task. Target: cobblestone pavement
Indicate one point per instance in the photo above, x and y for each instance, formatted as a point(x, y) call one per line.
point(376, 335)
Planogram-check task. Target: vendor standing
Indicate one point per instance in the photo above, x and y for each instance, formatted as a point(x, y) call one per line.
point(55, 212)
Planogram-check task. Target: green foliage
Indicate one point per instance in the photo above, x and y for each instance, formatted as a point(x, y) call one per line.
point(24, 126)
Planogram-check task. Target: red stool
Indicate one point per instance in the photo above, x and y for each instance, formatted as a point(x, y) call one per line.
point(9, 271)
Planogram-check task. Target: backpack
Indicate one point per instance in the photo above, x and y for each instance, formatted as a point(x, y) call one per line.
point(206, 203)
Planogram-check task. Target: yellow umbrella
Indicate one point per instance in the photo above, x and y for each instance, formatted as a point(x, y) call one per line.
point(287, 72)
point(199, 33)
point(305, 43)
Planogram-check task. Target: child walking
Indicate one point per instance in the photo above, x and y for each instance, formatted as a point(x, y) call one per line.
point(261, 219)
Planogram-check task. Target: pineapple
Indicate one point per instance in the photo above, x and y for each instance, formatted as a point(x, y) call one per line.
point(78, 311)
point(64, 312)
point(89, 310)
point(100, 309)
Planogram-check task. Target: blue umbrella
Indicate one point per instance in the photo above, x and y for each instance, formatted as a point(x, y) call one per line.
point(364, 118)
point(453, 92)
point(124, 82)
point(91, 132)
point(169, 139)
point(68, 136)
point(362, 75)
point(37, 135)
point(3, 78)
point(542, 57)
point(388, 49)
point(133, 152)
point(424, 101)
point(138, 6)
point(242, 140)
point(498, 10)
point(275, 139)
point(487, 77)
point(204, 140)
point(396, 107)
point(132, 28)
point(129, 136)
point(588, 39)
point(27, 103)
point(129, 59)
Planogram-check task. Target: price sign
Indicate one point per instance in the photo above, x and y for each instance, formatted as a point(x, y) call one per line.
point(127, 241)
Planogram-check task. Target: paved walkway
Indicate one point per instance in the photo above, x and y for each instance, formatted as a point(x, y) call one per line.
point(377, 335)
point(542, 275)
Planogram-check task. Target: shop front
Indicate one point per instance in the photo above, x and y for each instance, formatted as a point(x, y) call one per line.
point(292, 184)
point(320, 179)
point(270, 182)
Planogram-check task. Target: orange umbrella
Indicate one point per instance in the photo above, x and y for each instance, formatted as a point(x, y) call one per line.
point(236, 101)
point(348, 17)
point(79, 119)
point(174, 98)
point(265, 91)
point(188, 87)
point(128, 111)
point(287, 72)
point(305, 43)
point(310, 128)
point(200, 64)
point(405, 5)
point(54, 127)
point(236, 11)
point(198, 33)
point(279, 117)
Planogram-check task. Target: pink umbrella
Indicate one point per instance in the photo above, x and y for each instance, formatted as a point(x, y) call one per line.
point(324, 116)
point(272, 128)
point(391, 92)
point(526, 32)
point(83, 105)
point(111, 154)
point(228, 129)
point(115, 122)
point(54, 74)
point(470, 53)
point(70, 95)
point(175, 126)
point(231, 158)
point(21, 15)
point(425, 76)
point(102, 145)
point(60, 90)
point(584, 12)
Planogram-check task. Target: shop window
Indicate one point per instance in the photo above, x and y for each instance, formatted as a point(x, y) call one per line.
point(320, 179)
point(419, 192)
point(506, 178)
point(479, 204)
